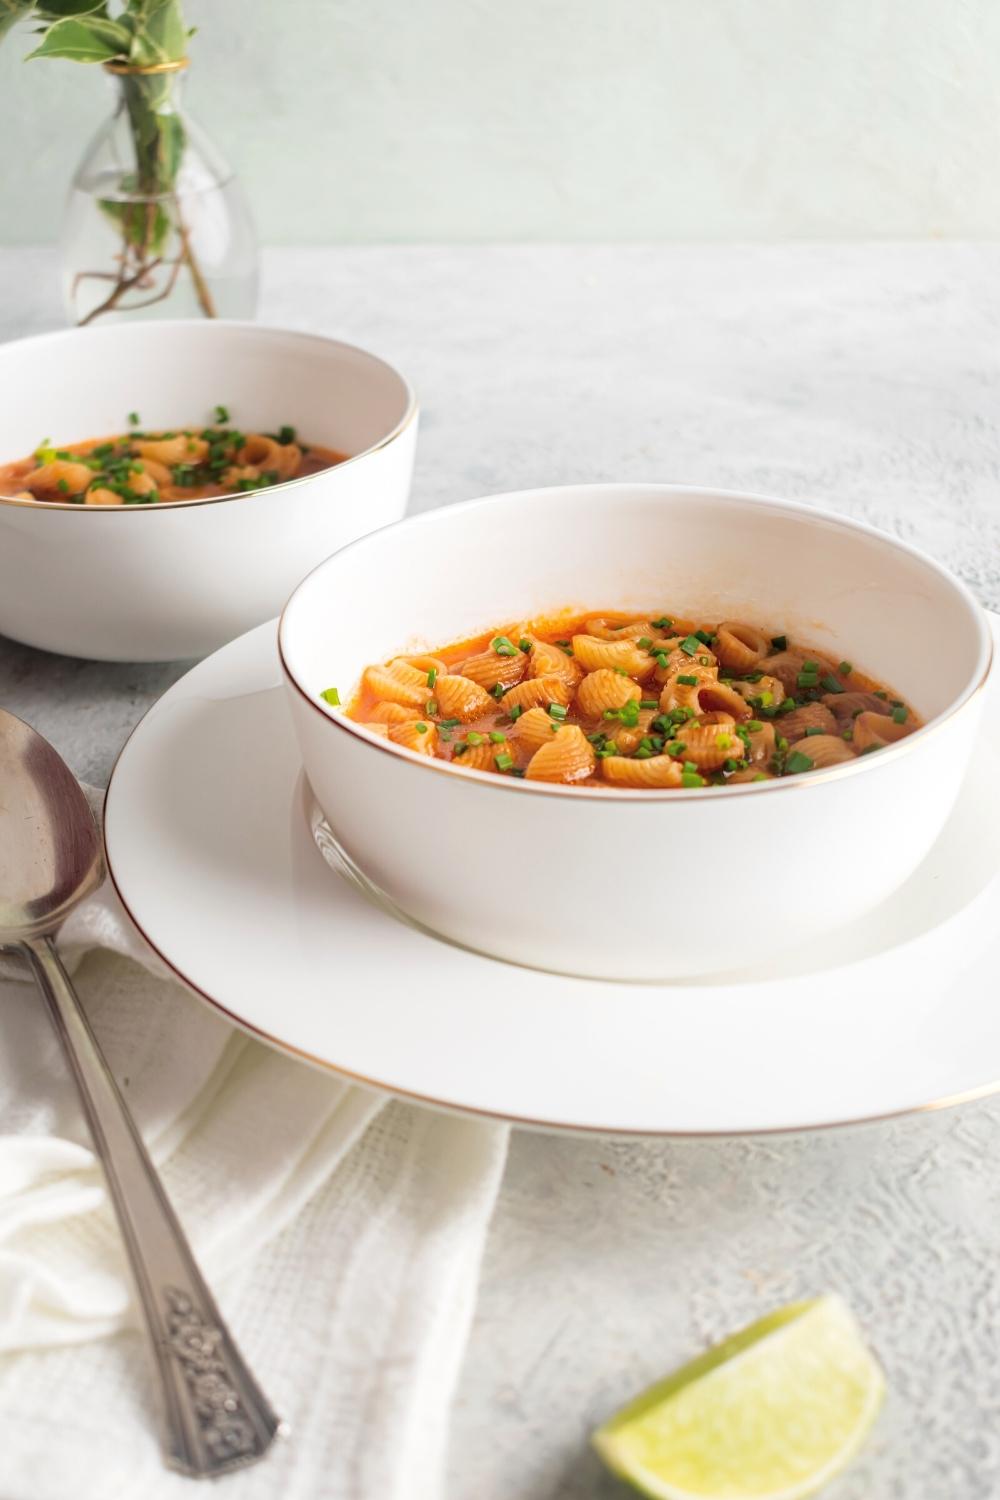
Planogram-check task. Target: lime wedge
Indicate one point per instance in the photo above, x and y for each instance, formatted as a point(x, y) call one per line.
point(771, 1413)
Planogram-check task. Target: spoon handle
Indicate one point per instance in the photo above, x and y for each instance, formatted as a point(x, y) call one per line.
point(214, 1415)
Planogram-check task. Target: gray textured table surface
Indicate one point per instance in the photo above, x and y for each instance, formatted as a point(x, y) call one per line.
point(867, 377)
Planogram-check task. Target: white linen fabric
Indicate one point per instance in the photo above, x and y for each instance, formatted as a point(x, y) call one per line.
point(342, 1234)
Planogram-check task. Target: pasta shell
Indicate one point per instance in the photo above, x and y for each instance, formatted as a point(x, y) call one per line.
point(823, 749)
point(487, 668)
point(415, 734)
point(264, 452)
point(98, 494)
point(810, 716)
point(567, 758)
point(719, 696)
point(658, 770)
point(786, 666)
point(180, 449)
point(461, 698)
point(621, 627)
point(425, 664)
point(628, 740)
point(535, 692)
point(762, 744)
point(681, 661)
point(546, 660)
point(878, 730)
point(750, 773)
point(59, 479)
point(740, 647)
point(482, 757)
point(375, 727)
point(770, 689)
point(677, 694)
point(605, 689)
point(847, 706)
point(710, 745)
point(399, 682)
point(592, 654)
point(535, 729)
point(389, 713)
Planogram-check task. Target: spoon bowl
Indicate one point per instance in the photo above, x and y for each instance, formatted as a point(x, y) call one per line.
point(50, 849)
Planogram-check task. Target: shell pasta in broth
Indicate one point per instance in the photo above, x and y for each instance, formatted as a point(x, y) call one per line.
point(646, 702)
point(142, 468)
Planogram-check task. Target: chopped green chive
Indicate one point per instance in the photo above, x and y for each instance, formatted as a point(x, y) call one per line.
point(816, 729)
point(848, 734)
point(723, 741)
point(286, 434)
point(879, 693)
point(503, 647)
point(499, 691)
point(556, 711)
point(421, 728)
point(645, 642)
point(754, 726)
point(432, 677)
point(705, 636)
point(503, 762)
point(899, 715)
point(430, 707)
point(62, 486)
point(524, 644)
point(691, 645)
point(497, 738)
point(831, 684)
point(807, 679)
point(760, 776)
point(688, 681)
point(675, 747)
point(779, 642)
point(331, 696)
point(797, 762)
point(663, 623)
point(845, 669)
point(133, 419)
point(648, 703)
point(660, 659)
point(691, 778)
point(474, 738)
point(449, 723)
point(516, 713)
point(221, 415)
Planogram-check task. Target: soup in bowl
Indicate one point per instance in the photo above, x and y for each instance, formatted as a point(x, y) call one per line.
point(163, 486)
point(620, 595)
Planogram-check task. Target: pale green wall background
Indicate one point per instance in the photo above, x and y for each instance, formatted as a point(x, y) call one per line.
point(565, 119)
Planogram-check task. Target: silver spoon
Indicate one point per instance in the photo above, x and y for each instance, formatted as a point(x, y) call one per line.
point(214, 1415)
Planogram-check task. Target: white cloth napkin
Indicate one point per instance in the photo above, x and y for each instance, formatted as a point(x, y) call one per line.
point(342, 1235)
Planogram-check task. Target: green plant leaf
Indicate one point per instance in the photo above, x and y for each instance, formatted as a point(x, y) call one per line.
point(159, 31)
point(144, 226)
point(86, 39)
point(57, 10)
point(12, 11)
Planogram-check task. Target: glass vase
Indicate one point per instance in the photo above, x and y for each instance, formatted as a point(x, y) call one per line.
point(156, 225)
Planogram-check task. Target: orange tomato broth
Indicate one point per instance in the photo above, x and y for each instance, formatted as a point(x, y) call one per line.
point(71, 473)
point(826, 706)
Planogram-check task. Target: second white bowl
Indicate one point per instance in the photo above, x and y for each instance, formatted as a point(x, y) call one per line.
point(155, 582)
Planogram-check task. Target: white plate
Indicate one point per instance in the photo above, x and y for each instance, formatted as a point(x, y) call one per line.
point(210, 847)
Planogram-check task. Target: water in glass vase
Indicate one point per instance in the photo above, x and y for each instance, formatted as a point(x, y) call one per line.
point(156, 224)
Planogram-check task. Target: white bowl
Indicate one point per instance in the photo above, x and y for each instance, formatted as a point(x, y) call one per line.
point(625, 884)
point(156, 582)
